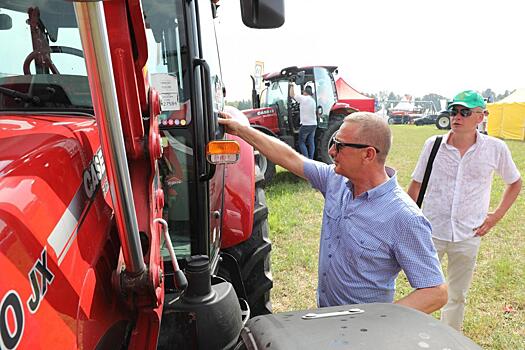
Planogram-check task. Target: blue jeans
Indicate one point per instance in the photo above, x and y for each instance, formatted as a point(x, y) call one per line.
point(307, 140)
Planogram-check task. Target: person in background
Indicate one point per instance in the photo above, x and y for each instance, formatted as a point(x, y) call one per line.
point(371, 229)
point(482, 127)
point(458, 195)
point(308, 120)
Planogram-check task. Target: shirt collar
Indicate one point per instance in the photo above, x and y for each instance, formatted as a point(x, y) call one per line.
point(380, 190)
point(480, 138)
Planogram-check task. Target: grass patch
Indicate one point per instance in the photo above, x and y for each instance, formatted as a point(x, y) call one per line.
point(495, 315)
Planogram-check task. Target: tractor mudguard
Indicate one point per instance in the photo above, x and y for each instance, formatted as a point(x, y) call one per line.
point(250, 246)
point(358, 327)
point(239, 185)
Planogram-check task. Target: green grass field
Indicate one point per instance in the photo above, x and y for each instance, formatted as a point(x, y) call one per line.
point(499, 281)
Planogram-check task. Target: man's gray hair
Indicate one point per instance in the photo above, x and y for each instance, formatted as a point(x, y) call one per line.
point(373, 130)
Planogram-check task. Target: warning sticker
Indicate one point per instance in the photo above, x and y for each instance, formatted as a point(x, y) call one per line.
point(168, 88)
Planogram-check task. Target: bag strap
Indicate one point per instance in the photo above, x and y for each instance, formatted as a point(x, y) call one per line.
point(428, 170)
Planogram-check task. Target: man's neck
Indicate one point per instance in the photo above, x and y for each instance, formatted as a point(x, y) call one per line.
point(373, 179)
point(462, 140)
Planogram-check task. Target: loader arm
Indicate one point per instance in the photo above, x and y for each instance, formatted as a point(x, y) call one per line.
point(113, 39)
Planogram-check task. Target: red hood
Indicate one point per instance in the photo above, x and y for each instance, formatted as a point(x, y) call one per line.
point(42, 163)
point(25, 138)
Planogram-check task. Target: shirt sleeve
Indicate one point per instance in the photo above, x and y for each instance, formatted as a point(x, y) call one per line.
point(318, 174)
point(506, 167)
point(421, 165)
point(415, 253)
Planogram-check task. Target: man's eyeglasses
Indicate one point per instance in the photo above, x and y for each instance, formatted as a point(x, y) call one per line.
point(465, 113)
point(340, 145)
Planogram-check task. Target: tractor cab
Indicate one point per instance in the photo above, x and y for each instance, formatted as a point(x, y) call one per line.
point(276, 112)
point(277, 94)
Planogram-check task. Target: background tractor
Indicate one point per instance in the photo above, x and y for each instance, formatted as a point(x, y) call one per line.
point(276, 113)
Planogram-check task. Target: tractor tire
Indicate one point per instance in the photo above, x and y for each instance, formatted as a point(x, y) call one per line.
point(443, 122)
point(326, 137)
point(266, 166)
point(253, 256)
point(391, 121)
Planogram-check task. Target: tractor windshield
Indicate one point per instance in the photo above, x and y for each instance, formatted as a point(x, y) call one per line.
point(42, 68)
point(326, 94)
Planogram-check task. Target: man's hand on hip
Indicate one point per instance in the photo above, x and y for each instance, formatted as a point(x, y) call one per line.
point(490, 221)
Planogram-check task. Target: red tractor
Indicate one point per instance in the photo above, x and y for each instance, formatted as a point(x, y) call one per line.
point(276, 113)
point(128, 219)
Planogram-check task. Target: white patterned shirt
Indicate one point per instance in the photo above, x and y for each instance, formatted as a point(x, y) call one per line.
point(458, 193)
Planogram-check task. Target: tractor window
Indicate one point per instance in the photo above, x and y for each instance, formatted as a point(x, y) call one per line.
point(168, 66)
point(168, 60)
point(277, 91)
point(325, 94)
point(211, 53)
point(44, 68)
point(175, 168)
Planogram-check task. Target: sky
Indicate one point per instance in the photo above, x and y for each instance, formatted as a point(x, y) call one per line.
point(405, 46)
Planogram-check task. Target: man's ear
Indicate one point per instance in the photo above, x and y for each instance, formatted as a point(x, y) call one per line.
point(480, 117)
point(370, 155)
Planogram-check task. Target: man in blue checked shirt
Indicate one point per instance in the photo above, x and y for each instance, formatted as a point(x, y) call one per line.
point(371, 228)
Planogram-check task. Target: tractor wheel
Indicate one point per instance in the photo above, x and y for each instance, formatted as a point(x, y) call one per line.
point(253, 256)
point(326, 140)
point(266, 166)
point(443, 122)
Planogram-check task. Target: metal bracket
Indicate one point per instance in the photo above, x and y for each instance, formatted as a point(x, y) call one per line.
point(313, 315)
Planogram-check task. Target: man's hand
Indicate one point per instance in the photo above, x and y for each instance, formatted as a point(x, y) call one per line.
point(232, 126)
point(271, 147)
point(490, 221)
point(509, 196)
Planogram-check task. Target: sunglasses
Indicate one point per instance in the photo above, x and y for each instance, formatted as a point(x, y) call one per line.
point(340, 145)
point(465, 113)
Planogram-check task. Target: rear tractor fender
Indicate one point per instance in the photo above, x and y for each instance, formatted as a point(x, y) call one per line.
point(239, 190)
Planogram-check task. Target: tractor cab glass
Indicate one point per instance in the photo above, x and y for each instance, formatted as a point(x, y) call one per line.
point(167, 55)
point(42, 68)
point(185, 121)
point(325, 95)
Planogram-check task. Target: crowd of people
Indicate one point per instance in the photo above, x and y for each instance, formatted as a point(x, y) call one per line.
point(372, 228)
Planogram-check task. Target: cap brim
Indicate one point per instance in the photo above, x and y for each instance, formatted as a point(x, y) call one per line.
point(464, 104)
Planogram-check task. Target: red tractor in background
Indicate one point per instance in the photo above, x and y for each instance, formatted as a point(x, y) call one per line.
point(276, 113)
point(128, 219)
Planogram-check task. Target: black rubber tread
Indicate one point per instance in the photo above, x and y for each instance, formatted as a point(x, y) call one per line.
point(253, 256)
point(326, 137)
point(269, 168)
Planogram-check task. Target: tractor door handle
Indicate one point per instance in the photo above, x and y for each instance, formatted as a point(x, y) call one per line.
point(208, 117)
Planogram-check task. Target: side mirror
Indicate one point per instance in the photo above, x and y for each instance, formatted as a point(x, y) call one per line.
point(6, 22)
point(262, 14)
point(299, 79)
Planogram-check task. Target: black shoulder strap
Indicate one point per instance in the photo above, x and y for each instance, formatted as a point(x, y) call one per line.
point(428, 170)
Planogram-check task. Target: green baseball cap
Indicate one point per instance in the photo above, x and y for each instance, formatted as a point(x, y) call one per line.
point(469, 99)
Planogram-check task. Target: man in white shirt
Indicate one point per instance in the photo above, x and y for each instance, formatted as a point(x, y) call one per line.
point(308, 119)
point(458, 195)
